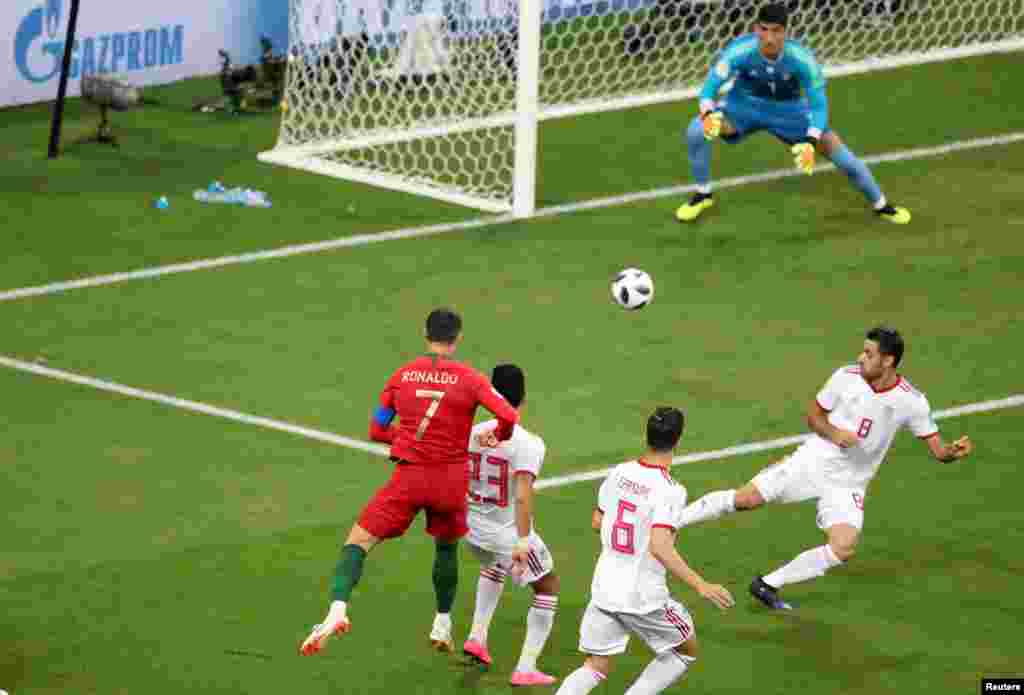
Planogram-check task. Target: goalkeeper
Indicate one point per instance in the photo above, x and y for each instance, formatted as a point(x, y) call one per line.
point(770, 71)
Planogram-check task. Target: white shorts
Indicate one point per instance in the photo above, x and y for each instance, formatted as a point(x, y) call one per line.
point(800, 477)
point(538, 564)
point(603, 633)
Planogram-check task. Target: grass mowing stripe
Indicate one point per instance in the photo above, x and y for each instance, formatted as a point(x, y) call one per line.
point(770, 444)
point(348, 442)
point(432, 230)
point(192, 406)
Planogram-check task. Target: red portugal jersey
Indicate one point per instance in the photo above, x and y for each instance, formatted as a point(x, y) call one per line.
point(436, 399)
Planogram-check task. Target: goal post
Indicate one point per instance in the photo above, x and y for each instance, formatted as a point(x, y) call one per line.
point(443, 98)
point(527, 113)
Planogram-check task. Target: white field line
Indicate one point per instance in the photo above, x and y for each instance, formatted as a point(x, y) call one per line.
point(193, 406)
point(769, 445)
point(432, 230)
point(350, 443)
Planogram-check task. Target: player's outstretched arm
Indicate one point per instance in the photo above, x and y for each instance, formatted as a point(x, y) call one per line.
point(812, 81)
point(817, 100)
point(382, 417)
point(722, 70)
point(524, 516)
point(943, 453)
point(596, 519)
point(663, 548)
point(817, 420)
point(803, 152)
point(507, 416)
point(380, 426)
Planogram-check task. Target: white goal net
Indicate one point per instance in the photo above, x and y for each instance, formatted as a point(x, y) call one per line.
point(442, 97)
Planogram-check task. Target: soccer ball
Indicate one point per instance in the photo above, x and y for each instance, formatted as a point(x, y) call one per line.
point(633, 289)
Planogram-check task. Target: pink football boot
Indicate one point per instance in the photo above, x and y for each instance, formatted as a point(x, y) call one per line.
point(477, 651)
point(532, 678)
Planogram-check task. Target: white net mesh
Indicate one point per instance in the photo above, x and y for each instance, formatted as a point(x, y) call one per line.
point(422, 97)
point(666, 45)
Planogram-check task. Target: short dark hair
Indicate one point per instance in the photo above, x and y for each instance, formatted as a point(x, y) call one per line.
point(443, 326)
point(664, 428)
point(773, 13)
point(889, 340)
point(509, 381)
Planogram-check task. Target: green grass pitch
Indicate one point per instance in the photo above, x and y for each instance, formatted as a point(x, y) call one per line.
point(149, 550)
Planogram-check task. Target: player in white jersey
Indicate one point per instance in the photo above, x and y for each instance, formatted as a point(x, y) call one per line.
point(638, 512)
point(501, 532)
point(854, 418)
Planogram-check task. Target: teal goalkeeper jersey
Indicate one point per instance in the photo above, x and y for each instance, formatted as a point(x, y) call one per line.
point(795, 75)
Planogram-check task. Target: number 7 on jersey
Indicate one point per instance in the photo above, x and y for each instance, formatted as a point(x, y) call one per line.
point(435, 401)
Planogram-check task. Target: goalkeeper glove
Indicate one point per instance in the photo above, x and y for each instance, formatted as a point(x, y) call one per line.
point(804, 157)
point(712, 121)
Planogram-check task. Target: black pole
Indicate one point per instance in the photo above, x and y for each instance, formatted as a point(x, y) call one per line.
point(62, 89)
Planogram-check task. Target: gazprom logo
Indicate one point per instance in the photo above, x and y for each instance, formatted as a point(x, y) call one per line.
point(53, 8)
point(39, 47)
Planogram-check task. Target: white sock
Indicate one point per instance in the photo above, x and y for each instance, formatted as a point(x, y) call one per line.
point(704, 189)
point(580, 682)
point(539, 622)
point(662, 672)
point(488, 591)
point(710, 506)
point(338, 609)
point(881, 203)
point(807, 565)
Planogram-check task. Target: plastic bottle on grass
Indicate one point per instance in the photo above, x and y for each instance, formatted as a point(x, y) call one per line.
point(234, 196)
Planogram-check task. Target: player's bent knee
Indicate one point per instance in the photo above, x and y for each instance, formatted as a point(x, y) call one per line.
point(843, 541)
point(548, 584)
point(695, 131)
point(689, 648)
point(844, 553)
point(601, 664)
point(361, 537)
point(748, 497)
point(829, 143)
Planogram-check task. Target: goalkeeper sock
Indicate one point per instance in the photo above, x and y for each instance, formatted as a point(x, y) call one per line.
point(700, 154)
point(858, 173)
point(348, 571)
point(446, 575)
